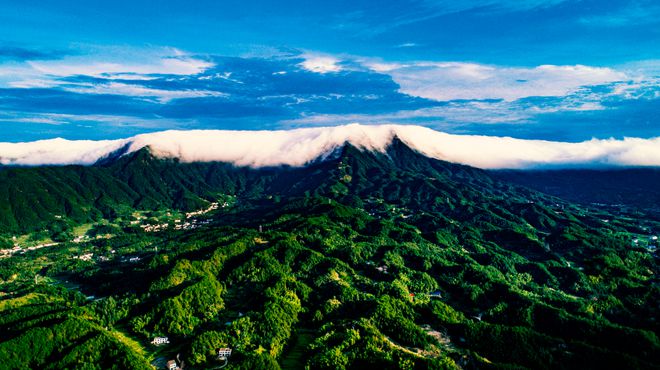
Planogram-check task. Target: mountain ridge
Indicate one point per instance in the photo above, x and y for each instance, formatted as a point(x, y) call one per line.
point(299, 147)
point(140, 180)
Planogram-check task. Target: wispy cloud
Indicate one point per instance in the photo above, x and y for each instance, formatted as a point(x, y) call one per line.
point(448, 6)
point(454, 114)
point(159, 95)
point(634, 13)
point(59, 119)
point(417, 11)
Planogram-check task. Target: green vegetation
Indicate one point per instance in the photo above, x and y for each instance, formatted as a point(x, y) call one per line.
point(362, 261)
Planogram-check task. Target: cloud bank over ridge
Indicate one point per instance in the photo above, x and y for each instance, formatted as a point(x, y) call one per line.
point(301, 146)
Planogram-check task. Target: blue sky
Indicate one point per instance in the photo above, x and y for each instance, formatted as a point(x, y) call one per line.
point(564, 70)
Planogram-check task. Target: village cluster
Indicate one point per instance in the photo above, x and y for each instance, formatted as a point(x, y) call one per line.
point(223, 355)
point(190, 223)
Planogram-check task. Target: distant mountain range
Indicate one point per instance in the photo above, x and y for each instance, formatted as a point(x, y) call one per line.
point(631, 188)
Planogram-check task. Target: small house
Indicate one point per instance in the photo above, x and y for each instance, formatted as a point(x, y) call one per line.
point(224, 352)
point(171, 365)
point(436, 294)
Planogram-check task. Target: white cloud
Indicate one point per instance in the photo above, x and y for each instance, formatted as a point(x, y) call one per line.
point(57, 151)
point(162, 96)
point(505, 152)
point(445, 81)
point(320, 63)
point(407, 45)
point(301, 146)
point(129, 63)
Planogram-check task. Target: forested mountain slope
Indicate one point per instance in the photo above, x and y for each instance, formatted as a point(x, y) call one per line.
point(362, 260)
point(33, 196)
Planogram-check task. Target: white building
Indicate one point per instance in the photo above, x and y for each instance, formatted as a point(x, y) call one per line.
point(224, 352)
point(160, 340)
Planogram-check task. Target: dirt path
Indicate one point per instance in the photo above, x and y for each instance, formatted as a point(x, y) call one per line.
point(443, 340)
point(294, 357)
